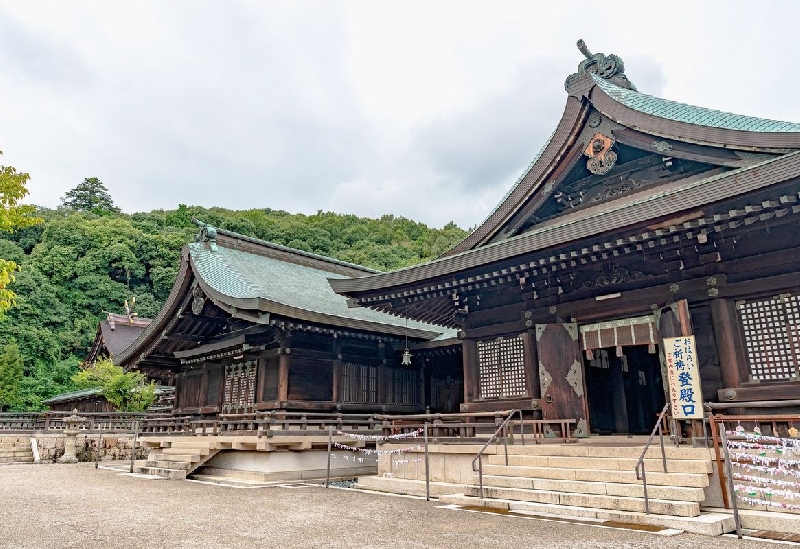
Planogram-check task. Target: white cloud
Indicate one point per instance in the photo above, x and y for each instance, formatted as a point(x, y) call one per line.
point(426, 110)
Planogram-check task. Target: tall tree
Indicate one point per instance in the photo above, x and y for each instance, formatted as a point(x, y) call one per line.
point(11, 374)
point(128, 391)
point(13, 215)
point(90, 196)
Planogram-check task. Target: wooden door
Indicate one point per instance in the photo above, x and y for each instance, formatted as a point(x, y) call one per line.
point(561, 374)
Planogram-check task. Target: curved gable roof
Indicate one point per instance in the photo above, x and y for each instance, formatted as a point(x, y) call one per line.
point(255, 282)
point(247, 276)
point(639, 111)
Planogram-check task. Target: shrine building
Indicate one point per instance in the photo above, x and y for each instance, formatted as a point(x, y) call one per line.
point(641, 219)
point(252, 326)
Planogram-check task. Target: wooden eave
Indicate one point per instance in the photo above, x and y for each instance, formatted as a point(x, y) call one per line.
point(585, 94)
point(238, 341)
point(166, 319)
point(445, 273)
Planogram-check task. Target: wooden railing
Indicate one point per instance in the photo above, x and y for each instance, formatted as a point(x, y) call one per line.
point(13, 423)
point(262, 424)
point(467, 427)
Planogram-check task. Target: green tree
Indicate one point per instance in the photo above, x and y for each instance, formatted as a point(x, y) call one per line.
point(13, 216)
point(128, 391)
point(11, 375)
point(90, 196)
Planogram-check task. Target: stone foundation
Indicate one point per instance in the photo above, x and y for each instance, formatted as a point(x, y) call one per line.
point(112, 447)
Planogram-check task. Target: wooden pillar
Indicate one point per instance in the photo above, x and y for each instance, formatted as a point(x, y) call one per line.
point(422, 371)
point(283, 374)
point(261, 379)
point(684, 318)
point(469, 349)
point(382, 375)
point(337, 375)
point(729, 343)
point(532, 385)
point(337, 369)
point(203, 397)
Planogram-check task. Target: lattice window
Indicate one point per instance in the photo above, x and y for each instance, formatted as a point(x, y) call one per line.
point(239, 390)
point(501, 367)
point(772, 337)
point(359, 384)
point(402, 386)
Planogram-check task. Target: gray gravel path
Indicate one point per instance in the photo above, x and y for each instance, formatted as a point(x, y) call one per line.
point(56, 506)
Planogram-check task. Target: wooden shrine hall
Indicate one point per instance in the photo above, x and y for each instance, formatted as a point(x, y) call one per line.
point(252, 326)
point(640, 219)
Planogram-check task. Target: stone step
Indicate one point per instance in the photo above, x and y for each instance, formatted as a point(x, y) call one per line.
point(182, 450)
point(407, 486)
point(194, 445)
point(694, 480)
point(16, 453)
point(162, 464)
point(27, 459)
point(672, 493)
point(193, 458)
point(5, 446)
point(709, 524)
point(618, 464)
point(174, 474)
point(597, 451)
point(230, 481)
point(617, 503)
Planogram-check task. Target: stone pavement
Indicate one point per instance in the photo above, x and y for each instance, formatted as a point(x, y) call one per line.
point(78, 506)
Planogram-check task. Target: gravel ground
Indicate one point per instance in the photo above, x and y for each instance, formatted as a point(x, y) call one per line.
point(79, 506)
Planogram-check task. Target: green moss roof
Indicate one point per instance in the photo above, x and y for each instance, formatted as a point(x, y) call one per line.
point(248, 276)
point(681, 112)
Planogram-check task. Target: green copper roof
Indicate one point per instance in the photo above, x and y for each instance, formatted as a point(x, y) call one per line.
point(242, 275)
point(680, 112)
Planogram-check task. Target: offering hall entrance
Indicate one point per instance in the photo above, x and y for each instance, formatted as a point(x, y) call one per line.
point(625, 392)
point(624, 386)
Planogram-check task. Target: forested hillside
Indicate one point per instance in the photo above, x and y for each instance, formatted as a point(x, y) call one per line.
point(84, 260)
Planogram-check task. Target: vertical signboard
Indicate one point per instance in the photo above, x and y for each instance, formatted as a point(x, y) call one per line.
point(683, 370)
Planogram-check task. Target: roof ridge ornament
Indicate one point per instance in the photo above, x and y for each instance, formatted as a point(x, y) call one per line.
point(609, 67)
point(207, 233)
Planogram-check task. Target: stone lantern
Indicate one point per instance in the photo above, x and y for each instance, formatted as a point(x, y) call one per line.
point(72, 427)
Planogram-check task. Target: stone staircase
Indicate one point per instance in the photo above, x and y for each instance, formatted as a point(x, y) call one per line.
point(15, 450)
point(177, 459)
point(600, 477)
point(585, 482)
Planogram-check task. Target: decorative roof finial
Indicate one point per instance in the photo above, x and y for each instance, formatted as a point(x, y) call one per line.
point(207, 234)
point(609, 67)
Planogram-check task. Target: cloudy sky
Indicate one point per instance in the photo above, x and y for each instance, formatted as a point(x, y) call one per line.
point(428, 110)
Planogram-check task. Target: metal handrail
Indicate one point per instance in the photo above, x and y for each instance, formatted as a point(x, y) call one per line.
point(640, 463)
point(480, 453)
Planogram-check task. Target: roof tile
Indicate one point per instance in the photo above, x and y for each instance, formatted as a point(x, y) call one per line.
point(681, 112)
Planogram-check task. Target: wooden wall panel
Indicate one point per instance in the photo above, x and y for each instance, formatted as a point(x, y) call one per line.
point(213, 395)
point(269, 379)
point(310, 379)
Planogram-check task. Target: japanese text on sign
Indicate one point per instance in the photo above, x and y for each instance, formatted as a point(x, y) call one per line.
point(684, 377)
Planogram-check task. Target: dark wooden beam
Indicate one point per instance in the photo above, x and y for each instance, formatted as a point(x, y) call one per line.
point(210, 348)
point(174, 336)
point(767, 391)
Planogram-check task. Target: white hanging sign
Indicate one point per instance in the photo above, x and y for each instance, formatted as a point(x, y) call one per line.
point(683, 371)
